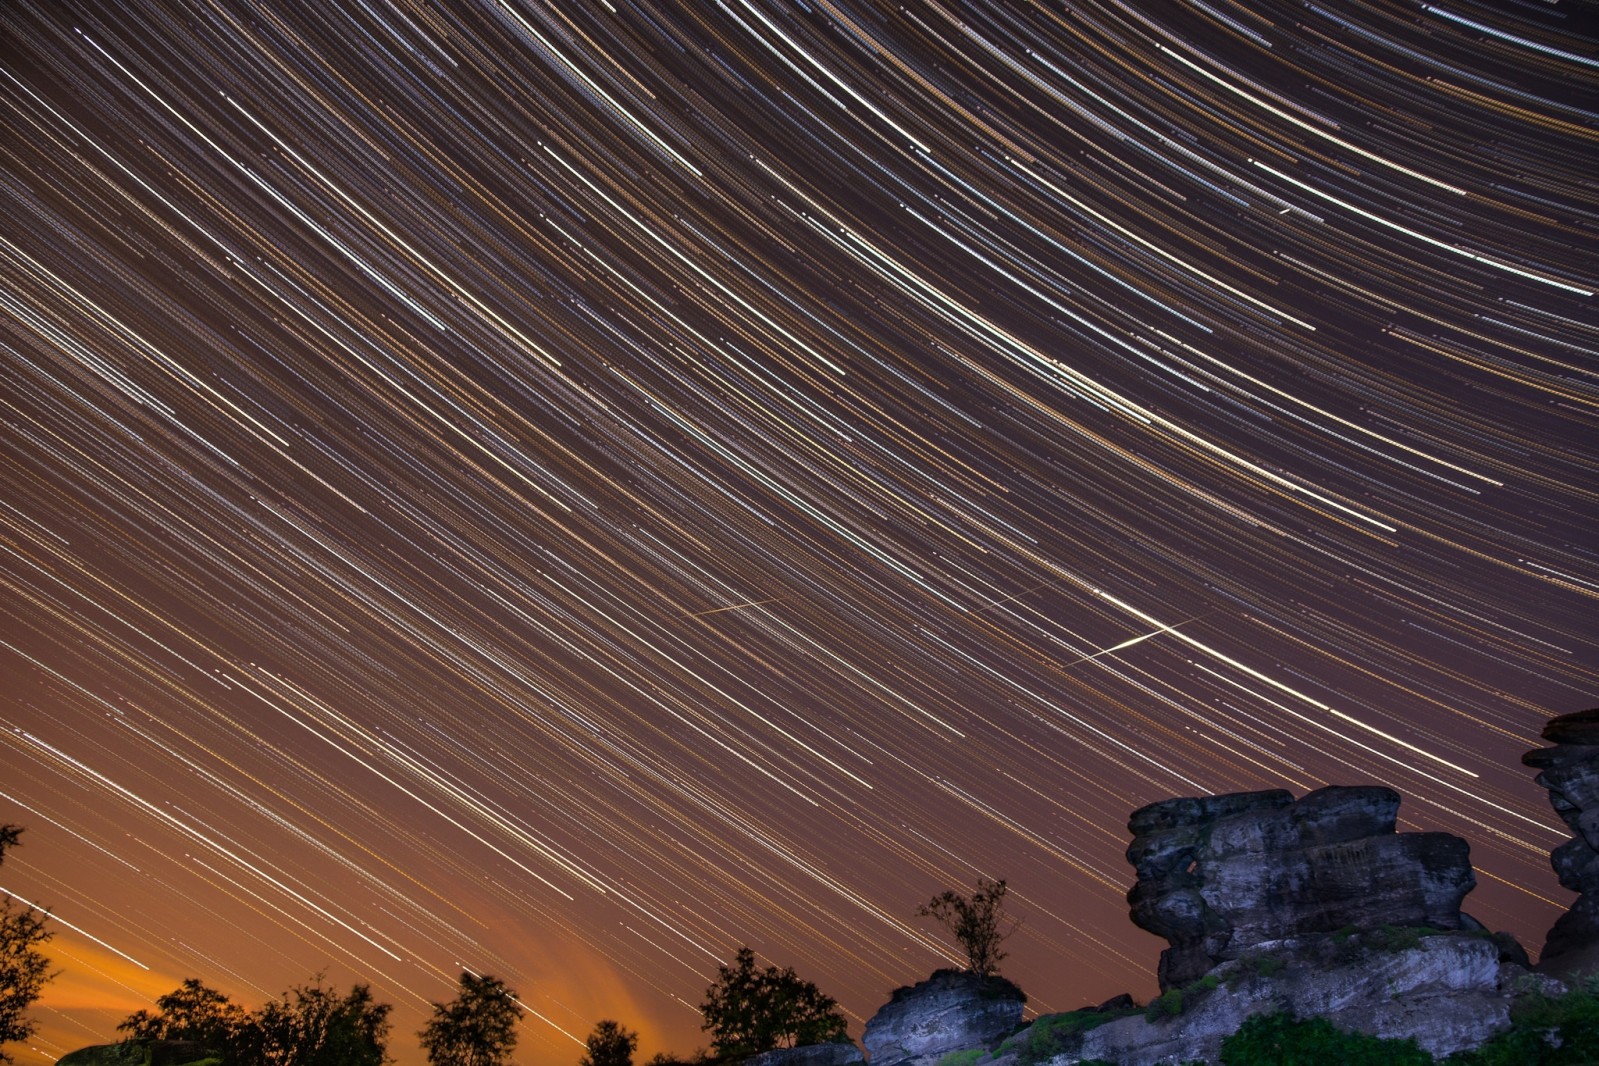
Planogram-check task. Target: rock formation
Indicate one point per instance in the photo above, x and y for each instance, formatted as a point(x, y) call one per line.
point(1219, 876)
point(1570, 771)
point(953, 1010)
point(1447, 991)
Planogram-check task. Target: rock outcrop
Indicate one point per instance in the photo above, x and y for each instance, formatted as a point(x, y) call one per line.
point(1221, 876)
point(1570, 771)
point(953, 1010)
point(1447, 991)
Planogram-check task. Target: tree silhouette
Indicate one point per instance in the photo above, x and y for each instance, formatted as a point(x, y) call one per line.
point(192, 1011)
point(977, 922)
point(610, 1044)
point(477, 1028)
point(23, 968)
point(748, 1010)
point(311, 1025)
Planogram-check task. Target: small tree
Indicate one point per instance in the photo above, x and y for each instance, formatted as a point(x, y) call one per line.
point(977, 922)
point(610, 1044)
point(23, 968)
point(748, 1011)
point(192, 1011)
point(477, 1028)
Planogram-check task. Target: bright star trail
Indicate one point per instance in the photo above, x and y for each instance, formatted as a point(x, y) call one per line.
point(566, 491)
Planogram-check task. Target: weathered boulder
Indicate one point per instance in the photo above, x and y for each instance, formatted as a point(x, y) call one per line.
point(1219, 876)
point(841, 1053)
point(1570, 771)
point(1447, 991)
point(953, 1010)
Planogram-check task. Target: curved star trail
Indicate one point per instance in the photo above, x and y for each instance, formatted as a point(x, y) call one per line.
point(568, 491)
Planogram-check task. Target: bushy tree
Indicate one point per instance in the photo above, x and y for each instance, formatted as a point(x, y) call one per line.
point(192, 1011)
point(748, 1010)
point(477, 1028)
point(610, 1044)
point(312, 1025)
point(24, 969)
point(977, 922)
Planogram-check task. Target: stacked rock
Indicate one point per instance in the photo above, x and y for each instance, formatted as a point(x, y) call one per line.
point(1570, 771)
point(1219, 876)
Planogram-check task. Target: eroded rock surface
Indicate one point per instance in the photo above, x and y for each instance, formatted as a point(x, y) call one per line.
point(953, 1010)
point(1218, 876)
point(1570, 771)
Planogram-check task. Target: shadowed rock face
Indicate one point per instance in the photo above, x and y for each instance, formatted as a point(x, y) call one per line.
point(1220, 875)
point(141, 1053)
point(1570, 771)
point(841, 1053)
point(951, 1011)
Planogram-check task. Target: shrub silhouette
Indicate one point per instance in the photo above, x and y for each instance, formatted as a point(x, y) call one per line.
point(192, 1011)
point(610, 1044)
point(977, 922)
point(748, 1010)
point(312, 1025)
point(477, 1028)
point(23, 968)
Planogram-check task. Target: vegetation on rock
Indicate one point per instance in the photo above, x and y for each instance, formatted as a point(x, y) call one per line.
point(977, 922)
point(1550, 1030)
point(1052, 1034)
point(1281, 1039)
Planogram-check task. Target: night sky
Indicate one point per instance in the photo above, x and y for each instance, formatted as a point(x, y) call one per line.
point(569, 491)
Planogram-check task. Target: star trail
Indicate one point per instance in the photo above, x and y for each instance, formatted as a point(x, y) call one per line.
point(568, 490)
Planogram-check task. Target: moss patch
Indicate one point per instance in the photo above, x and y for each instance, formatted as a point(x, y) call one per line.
point(1052, 1034)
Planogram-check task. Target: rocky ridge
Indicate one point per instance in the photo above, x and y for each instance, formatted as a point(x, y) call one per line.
point(1317, 906)
point(1448, 991)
